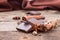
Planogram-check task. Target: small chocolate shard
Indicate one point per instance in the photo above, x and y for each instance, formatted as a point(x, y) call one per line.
point(16, 18)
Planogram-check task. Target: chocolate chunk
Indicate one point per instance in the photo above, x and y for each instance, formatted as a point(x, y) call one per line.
point(24, 27)
point(16, 18)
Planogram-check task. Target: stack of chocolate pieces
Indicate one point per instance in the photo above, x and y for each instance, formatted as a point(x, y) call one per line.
point(36, 22)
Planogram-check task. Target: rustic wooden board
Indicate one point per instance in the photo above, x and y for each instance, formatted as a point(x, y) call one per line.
point(15, 35)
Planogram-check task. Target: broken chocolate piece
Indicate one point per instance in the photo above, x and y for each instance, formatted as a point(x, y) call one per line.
point(35, 21)
point(37, 24)
point(24, 27)
point(34, 16)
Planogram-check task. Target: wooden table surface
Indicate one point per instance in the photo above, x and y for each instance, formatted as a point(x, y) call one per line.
point(8, 26)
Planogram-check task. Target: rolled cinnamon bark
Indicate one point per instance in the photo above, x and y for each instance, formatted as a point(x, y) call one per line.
point(34, 16)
